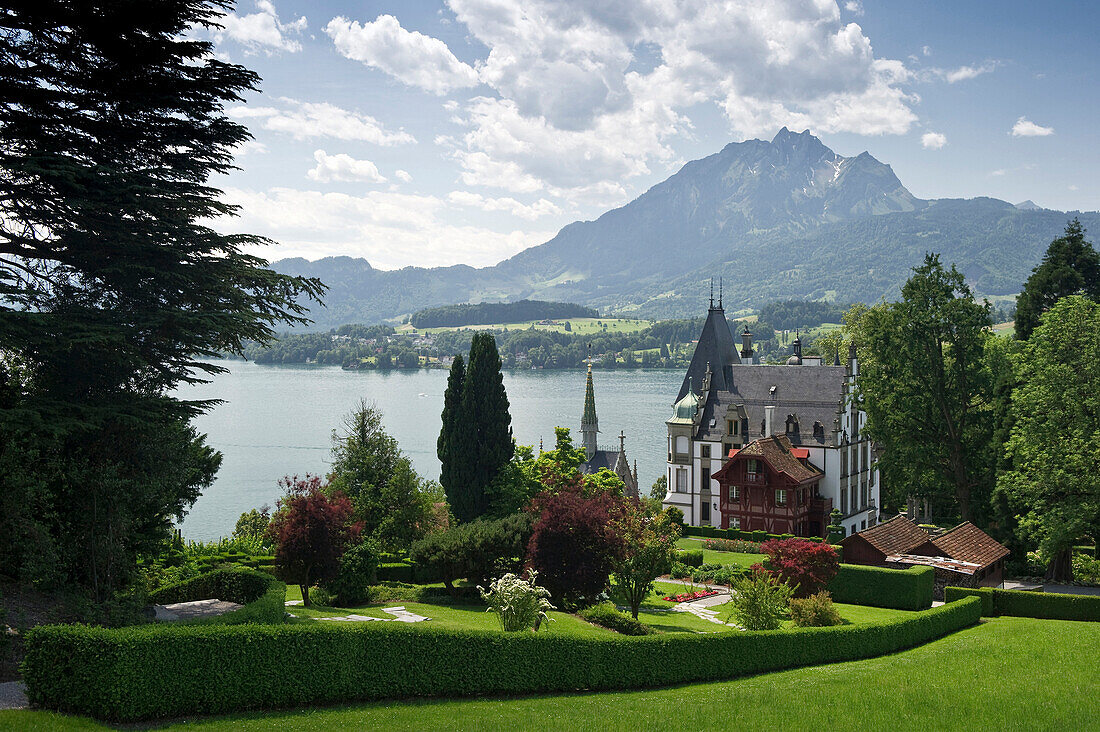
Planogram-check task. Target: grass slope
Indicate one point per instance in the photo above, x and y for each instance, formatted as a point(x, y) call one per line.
point(1007, 673)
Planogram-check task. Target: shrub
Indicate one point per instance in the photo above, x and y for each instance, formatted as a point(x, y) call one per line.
point(732, 545)
point(815, 611)
point(519, 603)
point(805, 566)
point(719, 574)
point(401, 591)
point(690, 557)
point(680, 570)
point(358, 571)
point(260, 593)
point(149, 672)
point(476, 550)
point(760, 601)
point(607, 615)
point(901, 589)
point(676, 516)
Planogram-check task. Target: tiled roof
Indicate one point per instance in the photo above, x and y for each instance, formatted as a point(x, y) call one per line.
point(970, 544)
point(899, 535)
point(777, 451)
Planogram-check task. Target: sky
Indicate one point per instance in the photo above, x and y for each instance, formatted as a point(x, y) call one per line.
point(420, 133)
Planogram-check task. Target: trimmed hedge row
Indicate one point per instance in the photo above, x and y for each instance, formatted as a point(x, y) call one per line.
point(261, 594)
point(1024, 604)
point(713, 532)
point(901, 589)
point(147, 672)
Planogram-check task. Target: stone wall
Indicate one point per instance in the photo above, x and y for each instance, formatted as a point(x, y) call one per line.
point(944, 578)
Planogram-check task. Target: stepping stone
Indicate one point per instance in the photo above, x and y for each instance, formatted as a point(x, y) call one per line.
point(292, 602)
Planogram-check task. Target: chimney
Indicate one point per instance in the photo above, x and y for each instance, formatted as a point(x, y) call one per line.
point(746, 344)
point(769, 417)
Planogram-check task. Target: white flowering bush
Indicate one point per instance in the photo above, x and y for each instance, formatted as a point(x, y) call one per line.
point(519, 603)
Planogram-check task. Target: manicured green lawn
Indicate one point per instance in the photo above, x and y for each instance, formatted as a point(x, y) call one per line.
point(712, 557)
point(1006, 673)
point(444, 616)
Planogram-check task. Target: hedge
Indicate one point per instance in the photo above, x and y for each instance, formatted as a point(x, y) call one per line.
point(262, 595)
point(609, 616)
point(1025, 604)
point(690, 557)
point(146, 672)
point(713, 532)
point(901, 589)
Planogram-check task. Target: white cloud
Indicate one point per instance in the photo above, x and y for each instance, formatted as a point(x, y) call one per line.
point(304, 120)
point(592, 94)
point(389, 229)
point(262, 30)
point(342, 167)
point(926, 50)
point(1072, 187)
point(933, 140)
point(539, 208)
point(999, 172)
point(249, 147)
point(412, 57)
point(1026, 128)
point(855, 7)
point(402, 175)
point(964, 73)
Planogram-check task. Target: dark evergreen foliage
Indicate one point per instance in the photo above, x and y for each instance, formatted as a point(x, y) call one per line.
point(795, 314)
point(1070, 267)
point(483, 433)
point(453, 467)
point(487, 313)
point(111, 284)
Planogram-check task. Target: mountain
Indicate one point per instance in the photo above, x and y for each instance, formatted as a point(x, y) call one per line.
point(777, 220)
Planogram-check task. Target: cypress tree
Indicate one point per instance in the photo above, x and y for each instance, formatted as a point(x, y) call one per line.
point(450, 474)
point(483, 436)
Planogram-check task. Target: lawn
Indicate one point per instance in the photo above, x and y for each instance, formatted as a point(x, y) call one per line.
point(455, 617)
point(713, 557)
point(1006, 673)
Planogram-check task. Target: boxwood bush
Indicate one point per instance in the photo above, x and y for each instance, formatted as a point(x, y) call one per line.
point(901, 589)
point(261, 594)
point(1025, 604)
point(146, 672)
point(690, 557)
point(609, 616)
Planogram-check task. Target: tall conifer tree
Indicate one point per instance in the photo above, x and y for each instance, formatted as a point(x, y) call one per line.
point(483, 435)
point(452, 463)
point(113, 286)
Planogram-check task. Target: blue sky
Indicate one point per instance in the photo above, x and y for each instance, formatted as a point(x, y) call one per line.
point(436, 133)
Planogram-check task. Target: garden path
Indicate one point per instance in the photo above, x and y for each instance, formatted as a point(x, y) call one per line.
point(399, 613)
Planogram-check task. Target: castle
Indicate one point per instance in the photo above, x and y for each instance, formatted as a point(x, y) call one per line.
point(768, 447)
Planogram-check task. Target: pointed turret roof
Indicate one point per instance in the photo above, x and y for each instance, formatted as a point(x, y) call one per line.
point(588, 419)
point(717, 350)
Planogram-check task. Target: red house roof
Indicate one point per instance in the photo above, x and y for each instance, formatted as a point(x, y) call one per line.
point(968, 543)
point(899, 535)
point(778, 453)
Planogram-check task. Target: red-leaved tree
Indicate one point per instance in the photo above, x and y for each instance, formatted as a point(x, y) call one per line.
point(310, 531)
point(575, 541)
point(805, 565)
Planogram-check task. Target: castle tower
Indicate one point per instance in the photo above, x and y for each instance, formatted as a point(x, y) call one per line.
point(590, 425)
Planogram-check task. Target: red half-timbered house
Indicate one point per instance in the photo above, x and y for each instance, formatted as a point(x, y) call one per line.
point(770, 485)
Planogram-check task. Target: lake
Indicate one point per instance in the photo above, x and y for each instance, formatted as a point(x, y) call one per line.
point(278, 420)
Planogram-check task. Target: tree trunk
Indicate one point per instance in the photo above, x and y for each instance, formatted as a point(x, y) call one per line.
point(449, 584)
point(305, 595)
point(1060, 568)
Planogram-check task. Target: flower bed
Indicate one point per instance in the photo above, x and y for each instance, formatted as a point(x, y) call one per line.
point(689, 596)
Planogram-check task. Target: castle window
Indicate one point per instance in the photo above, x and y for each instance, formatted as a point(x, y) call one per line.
point(706, 511)
point(706, 451)
point(734, 493)
point(780, 497)
point(681, 481)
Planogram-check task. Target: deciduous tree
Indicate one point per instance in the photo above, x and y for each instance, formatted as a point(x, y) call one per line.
point(806, 566)
point(311, 530)
point(927, 390)
point(648, 545)
point(1053, 483)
